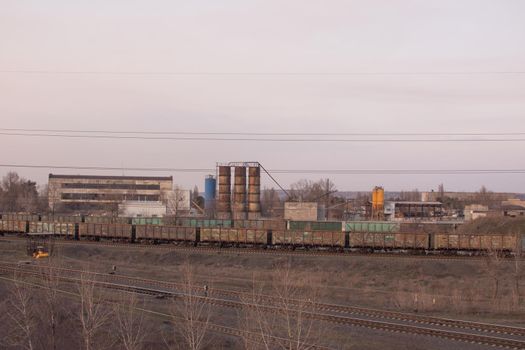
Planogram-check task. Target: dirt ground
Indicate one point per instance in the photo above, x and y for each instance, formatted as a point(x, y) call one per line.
point(482, 290)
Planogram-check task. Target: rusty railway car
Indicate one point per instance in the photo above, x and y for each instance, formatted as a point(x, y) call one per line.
point(97, 231)
point(301, 238)
point(55, 228)
point(231, 236)
point(476, 242)
point(356, 236)
point(158, 233)
point(260, 224)
point(13, 226)
point(389, 241)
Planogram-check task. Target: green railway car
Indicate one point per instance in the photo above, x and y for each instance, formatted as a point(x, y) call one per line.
point(203, 223)
point(315, 226)
point(146, 221)
point(371, 226)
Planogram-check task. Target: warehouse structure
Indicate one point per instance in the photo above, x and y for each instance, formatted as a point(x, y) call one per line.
point(88, 192)
point(408, 210)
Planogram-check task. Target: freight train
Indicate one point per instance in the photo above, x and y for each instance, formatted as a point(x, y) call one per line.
point(366, 237)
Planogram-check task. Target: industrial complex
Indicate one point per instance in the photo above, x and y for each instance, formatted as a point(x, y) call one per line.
point(234, 193)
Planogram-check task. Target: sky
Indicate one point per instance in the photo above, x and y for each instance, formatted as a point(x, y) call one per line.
point(266, 66)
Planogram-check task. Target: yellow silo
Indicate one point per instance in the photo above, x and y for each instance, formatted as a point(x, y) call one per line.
point(378, 202)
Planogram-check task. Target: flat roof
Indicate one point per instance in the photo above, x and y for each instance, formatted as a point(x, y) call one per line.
point(102, 177)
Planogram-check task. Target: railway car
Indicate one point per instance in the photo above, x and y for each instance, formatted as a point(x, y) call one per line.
point(203, 223)
point(13, 226)
point(476, 242)
point(369, 236)
point(158, 234)
point(62, 218)
point(428, 227)
point(19, 217)
point(234, 237)
point(54, 228)
point(111, 231)
point(261, 224)
point(315, 225)
point(389, 241)
point(147, 221)
point(371, 226)
point(287, 238)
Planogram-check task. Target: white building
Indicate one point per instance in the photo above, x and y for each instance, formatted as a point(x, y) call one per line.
point(140, 208)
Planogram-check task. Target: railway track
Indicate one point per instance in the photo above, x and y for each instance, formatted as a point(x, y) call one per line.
point(262, 251)
point(247, 335)
point(345, 315)
point(326, 307)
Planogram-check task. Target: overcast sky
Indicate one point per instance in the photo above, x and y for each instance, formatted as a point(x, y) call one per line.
point(286, 36)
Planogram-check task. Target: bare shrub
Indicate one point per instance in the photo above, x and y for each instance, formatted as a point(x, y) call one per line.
point(21, 315)
point(129, 322)
point(285, 320)
point(517, 269)
point(93, 314)
point(52, 305)
point(493, 262)
point(191, 312)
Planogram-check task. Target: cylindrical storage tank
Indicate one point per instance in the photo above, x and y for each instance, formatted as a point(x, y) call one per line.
point(210, 188)
point(378, 202)
point(380, 198)
point(239, 193)
point(224, 196)
point(254, 192)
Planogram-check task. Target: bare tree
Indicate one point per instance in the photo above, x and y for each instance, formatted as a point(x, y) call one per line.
point(93, 314)
point(177, 203)
point(307, 190)
point(21, 315)
point(255, 320)
point(493, 263)
point(130, 326)
point(517, 269)
point(52, 306)
point(18, 194)
point(288, 323)
point(271, 204)
point(190, 311)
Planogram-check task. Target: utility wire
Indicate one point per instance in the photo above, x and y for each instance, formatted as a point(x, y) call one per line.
point(142, 132)
point(247, 74)
point(284, 171)
point(275, 181)
point(247, 139)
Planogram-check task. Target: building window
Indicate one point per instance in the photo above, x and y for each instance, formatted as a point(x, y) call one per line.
point(110, 197)
point(111, 186)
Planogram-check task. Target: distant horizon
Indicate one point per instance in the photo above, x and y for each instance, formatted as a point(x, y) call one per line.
point(265, 183)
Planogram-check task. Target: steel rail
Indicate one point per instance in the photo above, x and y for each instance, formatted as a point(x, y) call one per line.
point(388, 326)
point(250, 336)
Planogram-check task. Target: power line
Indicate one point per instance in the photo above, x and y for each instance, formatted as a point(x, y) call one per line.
point(142, 132)
point(246, 139)
point(283, 171)
point(266, 74)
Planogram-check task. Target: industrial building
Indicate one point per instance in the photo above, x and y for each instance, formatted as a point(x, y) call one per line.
point(412, 210)
point(466, 196)
point(303, 211)
point(88, 192)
